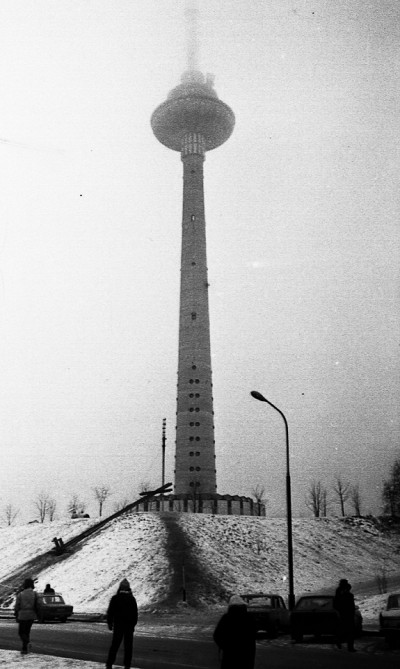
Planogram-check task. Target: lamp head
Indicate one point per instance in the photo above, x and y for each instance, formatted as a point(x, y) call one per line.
point(258, 396)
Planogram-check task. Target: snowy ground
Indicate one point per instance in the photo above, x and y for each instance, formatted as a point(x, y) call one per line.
point(234, 554)
point(10, 658)
point(23, 542)
point(250, 554)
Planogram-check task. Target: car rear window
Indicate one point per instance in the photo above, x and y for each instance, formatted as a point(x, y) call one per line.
point(394, 602)
point(309, 603)
point(52, 599)
point(260, 601)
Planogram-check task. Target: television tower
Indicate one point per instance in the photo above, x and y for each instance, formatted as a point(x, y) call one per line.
point(193, 121)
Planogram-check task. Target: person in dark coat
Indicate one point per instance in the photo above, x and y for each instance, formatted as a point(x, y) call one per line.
point(235, 636)
point(48, 590)
point(122, 617)
point(25, 610)
point(343, 602)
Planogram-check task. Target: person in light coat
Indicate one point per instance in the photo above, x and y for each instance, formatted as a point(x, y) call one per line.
point(25, 612)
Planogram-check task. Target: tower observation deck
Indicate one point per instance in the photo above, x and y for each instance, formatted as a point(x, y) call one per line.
point(193, 121)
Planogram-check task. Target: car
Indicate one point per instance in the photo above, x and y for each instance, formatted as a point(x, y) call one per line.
point(269, 612)
point(316, 615)
point(389, 618)
point(52, 607)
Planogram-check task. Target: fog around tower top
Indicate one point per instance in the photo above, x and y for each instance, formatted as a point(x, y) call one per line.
point(192, 34)
point(193, 73)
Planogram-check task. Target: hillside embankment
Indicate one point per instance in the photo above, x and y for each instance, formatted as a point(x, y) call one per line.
point(169, 558)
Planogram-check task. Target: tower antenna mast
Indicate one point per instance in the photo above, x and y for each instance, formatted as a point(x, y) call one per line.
point(192, 34)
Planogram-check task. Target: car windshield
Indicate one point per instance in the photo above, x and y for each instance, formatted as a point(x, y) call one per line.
point(52, 599)
point(394, 602)
point(307, 603)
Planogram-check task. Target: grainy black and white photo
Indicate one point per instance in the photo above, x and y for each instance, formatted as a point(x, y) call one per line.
point(200, 370)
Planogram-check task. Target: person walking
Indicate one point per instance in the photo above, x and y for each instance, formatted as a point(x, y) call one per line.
point(235, 636)
point(25, 612)
point(122, 617)
point(344, 604)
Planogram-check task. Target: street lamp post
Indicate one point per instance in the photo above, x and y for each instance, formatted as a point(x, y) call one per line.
point(291, 598)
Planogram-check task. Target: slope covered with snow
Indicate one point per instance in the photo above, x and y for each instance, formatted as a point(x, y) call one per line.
point(23, 542)
point(250, 554)
point(211, 556)
point(132, 547)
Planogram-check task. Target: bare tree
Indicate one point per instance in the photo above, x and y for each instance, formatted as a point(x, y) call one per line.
point(316, 499)
point(144, 486)
point(324, 502)
point(101, 493)
point(121, 504)
point(41, 503)
point(342, 490)
point(76, 506)
point(10, 513)
point(51, 508)
point(258, 493)
point(391, 491)
point(355, 498)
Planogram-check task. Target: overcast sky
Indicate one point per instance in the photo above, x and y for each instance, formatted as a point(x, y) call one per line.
point(302, 231)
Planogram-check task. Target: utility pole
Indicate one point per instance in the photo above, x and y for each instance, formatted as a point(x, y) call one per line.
point(163, 440)
point(183, 581)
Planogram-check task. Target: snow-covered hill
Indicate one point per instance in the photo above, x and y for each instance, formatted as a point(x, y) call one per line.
point(251, 553)
point(212, 556)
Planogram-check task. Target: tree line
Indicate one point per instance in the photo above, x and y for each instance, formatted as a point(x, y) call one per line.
point(319, 501)
point(45, 506)
point(345, 494)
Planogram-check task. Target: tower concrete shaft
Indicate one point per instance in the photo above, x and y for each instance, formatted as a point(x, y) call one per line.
point(195, 470)
point(193, 120)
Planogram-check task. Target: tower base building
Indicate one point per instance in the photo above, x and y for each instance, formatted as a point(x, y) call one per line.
point(228, 505)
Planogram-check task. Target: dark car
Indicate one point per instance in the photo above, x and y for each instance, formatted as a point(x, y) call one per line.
point(316, 615)
point(52, 607)
point(389, 619)
point(269, 612)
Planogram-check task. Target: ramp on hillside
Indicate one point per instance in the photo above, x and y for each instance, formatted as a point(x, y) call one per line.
point(13, 582)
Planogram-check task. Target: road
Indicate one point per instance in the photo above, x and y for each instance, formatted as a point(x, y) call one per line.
point(90, 641)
